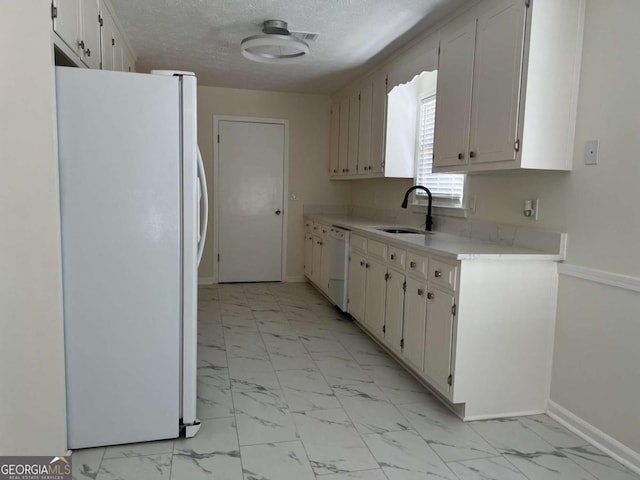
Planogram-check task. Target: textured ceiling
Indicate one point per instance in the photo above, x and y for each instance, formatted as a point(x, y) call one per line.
point(204, 36)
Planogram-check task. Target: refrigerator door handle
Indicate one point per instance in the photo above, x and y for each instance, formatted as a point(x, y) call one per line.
point(205, 199)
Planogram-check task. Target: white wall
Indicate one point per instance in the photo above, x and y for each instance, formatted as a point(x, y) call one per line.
point(595, 369)
point(308, 117)
point(32, 389)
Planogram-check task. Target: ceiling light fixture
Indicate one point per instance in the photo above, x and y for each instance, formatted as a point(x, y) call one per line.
point(277, 45)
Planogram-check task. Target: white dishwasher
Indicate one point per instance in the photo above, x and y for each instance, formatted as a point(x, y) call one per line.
point(339, 266)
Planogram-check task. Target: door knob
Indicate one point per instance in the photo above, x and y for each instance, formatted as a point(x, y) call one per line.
point(278, 212)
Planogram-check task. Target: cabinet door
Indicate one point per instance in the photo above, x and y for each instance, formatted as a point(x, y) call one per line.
point(375, 297)
point(453, 97)
point(324, 266)
point(67, 23)
point(437, 360)
point(334, 140)
point(357, 286)
point(394, 310)
point(343, 146)
point(106, 40)
point(354, 121)
point(316, 264)
point(308, 255)
point(496, 83)
point(364, 130)
point(118, 51)
point(415, 321)
point(378, 122)
point(91, 33)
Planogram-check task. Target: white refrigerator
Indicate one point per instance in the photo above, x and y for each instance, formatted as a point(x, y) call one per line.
point(131, 177)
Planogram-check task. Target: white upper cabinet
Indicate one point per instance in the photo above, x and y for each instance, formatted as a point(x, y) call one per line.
point(354, 123)
point(66, 23)
point(364, 129)
point(507, 86)
point(91, 33)
point(455, 80)
point(334, 139)
point(496, 83)
point(87, 33)
point(107, 33)
point(343, 145)
point(378, 122)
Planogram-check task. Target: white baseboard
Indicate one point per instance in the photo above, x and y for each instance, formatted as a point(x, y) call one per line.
point(296, 279)
point(526, 413)
point(206, 281)
point(582, 428)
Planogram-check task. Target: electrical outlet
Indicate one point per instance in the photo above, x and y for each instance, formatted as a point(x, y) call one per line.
point(530, 208)
point(471, 206)
point(591, 152)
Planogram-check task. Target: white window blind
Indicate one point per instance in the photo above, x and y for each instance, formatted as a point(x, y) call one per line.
point(447, 187)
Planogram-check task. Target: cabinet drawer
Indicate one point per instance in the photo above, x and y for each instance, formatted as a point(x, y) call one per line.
point(417, 265)
point(397, 257)
point(359, 243)
point(377, 249)
point(442, 274)
point(324, 231)
point(308, 226)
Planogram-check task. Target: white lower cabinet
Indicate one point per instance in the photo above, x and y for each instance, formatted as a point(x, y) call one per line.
point(439, 338)
point(316, 255)
point(479, 332)
point(308, 254)
point(394, 310)
point(375, 297)
point(415, 322)
point(357, 285)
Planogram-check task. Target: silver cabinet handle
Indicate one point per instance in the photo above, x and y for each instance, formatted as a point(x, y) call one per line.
point(81, 44)
point(366, 265)
point(430, 295)
point(278, 212)
point(437, 273)
point(420, 292)
point(393, 256)
point(412, 264)
point(88, 52)
point(472, 154)
point(362, 264)
point(461, 156)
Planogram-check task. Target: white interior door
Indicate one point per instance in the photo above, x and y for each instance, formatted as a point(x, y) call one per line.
point(250, 197)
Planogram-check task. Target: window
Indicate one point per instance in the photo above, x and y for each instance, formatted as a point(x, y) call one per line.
point(447, 188)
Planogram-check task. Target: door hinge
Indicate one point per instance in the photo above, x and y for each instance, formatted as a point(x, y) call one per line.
point(386, 81)
point(386, 276)
point(54, 11)
point(359, 96)
point(113, 42)
point(100, 20)
point(218, 138)
point(404, 286)
point(516, 146)
point(450, 380)
point(453, 310)
point(402, 344)
point(527, 3)
point(218, 257)
point(384, 329)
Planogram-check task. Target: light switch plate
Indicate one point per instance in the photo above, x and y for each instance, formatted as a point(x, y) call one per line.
point(591, 151)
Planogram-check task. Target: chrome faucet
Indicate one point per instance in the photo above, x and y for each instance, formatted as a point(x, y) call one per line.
point(406, 201)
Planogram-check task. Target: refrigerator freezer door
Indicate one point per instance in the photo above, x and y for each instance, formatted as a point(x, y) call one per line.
point(120, 184)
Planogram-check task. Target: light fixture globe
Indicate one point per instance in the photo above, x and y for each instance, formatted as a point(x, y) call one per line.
point(277, 45)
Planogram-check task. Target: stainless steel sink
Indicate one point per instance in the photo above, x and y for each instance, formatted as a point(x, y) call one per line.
point(398, 230)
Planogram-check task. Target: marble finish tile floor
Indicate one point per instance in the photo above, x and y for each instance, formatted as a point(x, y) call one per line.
point(290, 389)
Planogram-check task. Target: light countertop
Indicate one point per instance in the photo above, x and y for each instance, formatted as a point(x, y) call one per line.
point(437, 243)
